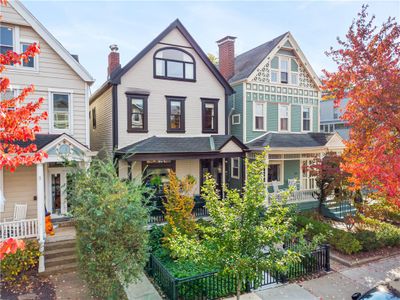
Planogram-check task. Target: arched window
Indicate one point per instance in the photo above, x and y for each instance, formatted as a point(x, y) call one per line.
point(174, 63)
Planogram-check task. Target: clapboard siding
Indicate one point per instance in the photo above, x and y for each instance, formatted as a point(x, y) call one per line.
point(53, 73)
point(101, 137)
point(19, 188)
point(141, 76)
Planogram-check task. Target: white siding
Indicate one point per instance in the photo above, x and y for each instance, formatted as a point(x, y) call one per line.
point(141, 76)
point(9, 15)
point(101, 137)
point(189, 167)
point(53, 73)
point(20, 188)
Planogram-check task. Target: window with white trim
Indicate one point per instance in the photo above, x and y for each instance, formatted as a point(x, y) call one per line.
point(236, 119)
point(61, 111)
point(274, 173)
point(284, 117)
point(284, 68)
point(6, 39)
point(31, 62)
point(306, 118)
point(259, 116)
point(235, 167)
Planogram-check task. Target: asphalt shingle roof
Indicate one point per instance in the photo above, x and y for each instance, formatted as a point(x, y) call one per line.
point(41, 140)
point(247, 62)
point(156, 144)
point(291, 140)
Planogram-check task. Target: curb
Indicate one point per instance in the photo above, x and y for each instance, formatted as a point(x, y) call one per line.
point(360, 262)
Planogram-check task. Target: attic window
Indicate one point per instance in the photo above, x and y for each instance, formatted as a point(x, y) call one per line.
point(175, 64)
point(6, 39)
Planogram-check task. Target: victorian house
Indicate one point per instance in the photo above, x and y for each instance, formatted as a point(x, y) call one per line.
point(63, 82)
point(166, 109)
point(276, 104)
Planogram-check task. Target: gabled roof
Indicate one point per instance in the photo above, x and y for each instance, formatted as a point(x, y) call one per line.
point(52, 41)
point(170, 145)
point(247, 62)
point(117, 74)
point(291, 140)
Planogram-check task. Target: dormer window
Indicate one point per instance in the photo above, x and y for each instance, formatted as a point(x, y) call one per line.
point(284, 70)
point(175, 64)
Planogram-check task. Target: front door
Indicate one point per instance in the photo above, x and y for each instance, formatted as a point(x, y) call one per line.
point(213, 167)
point(56, 192)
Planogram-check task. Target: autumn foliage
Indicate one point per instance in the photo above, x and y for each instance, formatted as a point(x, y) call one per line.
point(19, 121)
point(178, 206)
point(369, 75)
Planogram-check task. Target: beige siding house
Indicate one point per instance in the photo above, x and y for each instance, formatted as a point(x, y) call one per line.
point(165, 110)
point(61, 80)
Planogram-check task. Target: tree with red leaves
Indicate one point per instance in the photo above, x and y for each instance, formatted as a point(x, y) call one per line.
point(369, 75)
point(19, 121)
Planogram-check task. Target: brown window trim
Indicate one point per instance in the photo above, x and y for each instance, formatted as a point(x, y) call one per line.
point(205, 101)
point(145, 113)
point(166, 77)
point(182, 101)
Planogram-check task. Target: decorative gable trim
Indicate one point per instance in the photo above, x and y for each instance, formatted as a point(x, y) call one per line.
point(336, 142)
point(51, 40)
point(117, 74)
point(300, 55)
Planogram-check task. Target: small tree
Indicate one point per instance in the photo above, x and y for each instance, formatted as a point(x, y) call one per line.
point(19, 121)
point(111, 221)
point(178, 206)
point(368, 74)
point(241, 231)
point(329, 177)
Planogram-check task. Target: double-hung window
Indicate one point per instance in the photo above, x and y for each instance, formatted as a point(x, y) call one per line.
point(137, 113)
point(30, 63)
point(284, 117)
point(6, 39)
point(284, 68)
point(259, 116)
point(61, 111)
point(175, 114)
point(174, 63)
point(306, 118)
point(235, 167)
point(209, 115)
point(275, 69)
point(274, 173)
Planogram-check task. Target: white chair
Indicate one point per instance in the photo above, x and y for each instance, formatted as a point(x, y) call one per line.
point(275, 186)
point(19, 213)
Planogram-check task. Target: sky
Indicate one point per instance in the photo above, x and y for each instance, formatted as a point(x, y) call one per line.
point(87, 28)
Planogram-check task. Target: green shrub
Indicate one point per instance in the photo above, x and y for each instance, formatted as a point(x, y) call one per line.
point(343, 241)
point(386, 234)
point(14, 266)
point(368, 240)
point(111, 221)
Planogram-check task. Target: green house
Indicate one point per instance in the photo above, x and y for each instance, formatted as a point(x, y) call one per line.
point(276, 104)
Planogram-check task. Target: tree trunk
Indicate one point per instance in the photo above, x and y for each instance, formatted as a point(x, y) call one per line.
point(238, 287)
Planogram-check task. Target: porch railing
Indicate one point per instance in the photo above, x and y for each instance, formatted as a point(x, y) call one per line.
point(297, 196)
point(19, 229)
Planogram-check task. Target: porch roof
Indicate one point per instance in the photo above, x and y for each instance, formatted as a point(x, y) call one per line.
point(41, 140)
point(179, 146)
point(291, 140)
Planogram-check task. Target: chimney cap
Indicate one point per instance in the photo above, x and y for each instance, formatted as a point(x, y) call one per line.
point(114, 47)
point(226, 39)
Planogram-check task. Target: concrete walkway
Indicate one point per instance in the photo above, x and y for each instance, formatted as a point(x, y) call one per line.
point(339, 284)
point(142, 290)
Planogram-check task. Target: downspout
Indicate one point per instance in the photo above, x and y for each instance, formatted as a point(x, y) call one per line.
point(229, 124)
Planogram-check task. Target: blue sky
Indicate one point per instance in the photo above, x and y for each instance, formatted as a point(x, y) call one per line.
point(87, 28)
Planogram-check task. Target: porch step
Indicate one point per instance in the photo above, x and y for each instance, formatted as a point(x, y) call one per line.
point(338, 211)
point(60, 269)
point(60, 260)
point(60, 257)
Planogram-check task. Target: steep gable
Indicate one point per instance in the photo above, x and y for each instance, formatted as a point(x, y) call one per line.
point(16, 13)
point(287, 45)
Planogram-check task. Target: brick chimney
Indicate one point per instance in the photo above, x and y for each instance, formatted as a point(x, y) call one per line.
point(226, 47)
point(113, 60)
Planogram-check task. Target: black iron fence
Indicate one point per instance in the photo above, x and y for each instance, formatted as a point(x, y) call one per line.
point(214, 285)
point(158, 210)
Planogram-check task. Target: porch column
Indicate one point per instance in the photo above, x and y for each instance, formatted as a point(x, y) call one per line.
point(2, 200)
point(223, 178)
point(40, 212)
